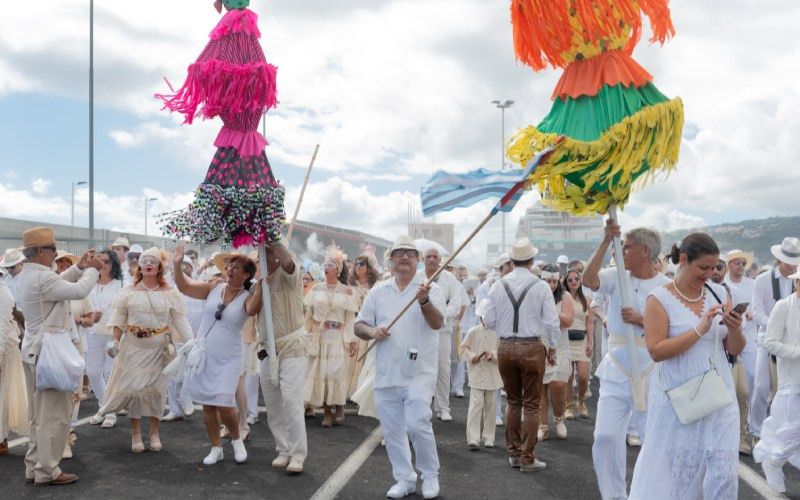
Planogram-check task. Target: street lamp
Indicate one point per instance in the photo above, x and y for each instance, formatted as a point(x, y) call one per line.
point(502, 107)
point(72, 218)
point(146, 200)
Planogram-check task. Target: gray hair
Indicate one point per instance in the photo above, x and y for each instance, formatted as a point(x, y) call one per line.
point(648, 237)
point(30, 253)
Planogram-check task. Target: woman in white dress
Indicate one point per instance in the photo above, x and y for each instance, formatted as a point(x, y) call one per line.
point(684, 336)
point(152, 315)
point(554, 383)
point(13, 398)
point(330, 316)
point(362, 278)
point(213, 381)
point(780, 433)
point(98, 363)
point(581, 340)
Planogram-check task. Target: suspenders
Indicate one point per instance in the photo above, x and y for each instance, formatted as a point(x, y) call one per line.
point(516, 303)
point(776, 289)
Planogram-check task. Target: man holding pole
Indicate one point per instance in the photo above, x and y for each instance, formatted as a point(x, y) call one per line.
point(619, 397)
point(406, 366)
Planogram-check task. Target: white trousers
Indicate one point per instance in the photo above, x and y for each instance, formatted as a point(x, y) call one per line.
point(481, 403)
point(98, 365)
point(759, 397)
point(441, 398)
point(780, 437)
point(458, 376)
point(251, 389)
point(174, 399)
point(614, 409)
point(499, 398)
point(748, 360)
point(405, 412)
point(285, 410)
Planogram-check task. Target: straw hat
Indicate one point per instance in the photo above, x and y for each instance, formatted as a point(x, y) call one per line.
point(11, 258)
point(121, 242)
point(63, 254)
point(220, 258)
point(253, 256)
point(739, 254)
point(523, 250)
point(38, 237)
point(403, 242)
point(788, 251)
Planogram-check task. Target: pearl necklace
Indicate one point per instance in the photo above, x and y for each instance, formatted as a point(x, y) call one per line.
point(684, 297)
point(150, 289)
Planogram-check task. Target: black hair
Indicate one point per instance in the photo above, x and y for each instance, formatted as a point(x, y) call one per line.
point(558, 293)
point(248, 266)
point(116, 268)
point(343, 275)
point(695, 245)
point(522, 263)
point(579, 293)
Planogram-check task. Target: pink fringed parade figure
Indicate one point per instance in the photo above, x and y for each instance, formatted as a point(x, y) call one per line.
point(239, 202)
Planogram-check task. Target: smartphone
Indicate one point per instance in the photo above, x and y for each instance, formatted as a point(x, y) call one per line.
point(741, 308)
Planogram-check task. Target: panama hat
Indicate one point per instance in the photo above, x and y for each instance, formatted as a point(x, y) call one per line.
point(121, 242)
point(220, 258)
point(739, 254)
point(38, 237)
point(403, 242)
point(63, 254)
point(11, 258)
point(523, 250)
point(788, 251)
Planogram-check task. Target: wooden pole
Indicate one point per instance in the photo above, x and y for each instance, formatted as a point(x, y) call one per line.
point(433, 278)
point(300, 201)
point(267, 308)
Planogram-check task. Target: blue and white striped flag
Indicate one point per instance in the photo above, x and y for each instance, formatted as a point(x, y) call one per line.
point(445, 191)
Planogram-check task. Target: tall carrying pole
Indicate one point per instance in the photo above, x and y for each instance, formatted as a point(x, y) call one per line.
point(91, 123)
point(300, 201)
point(638, 386)
point(267, 308)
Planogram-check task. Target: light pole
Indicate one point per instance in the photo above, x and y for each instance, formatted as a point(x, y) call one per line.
point(72, 218)
point(502, 107)
point(146, 200)
point(91, 123)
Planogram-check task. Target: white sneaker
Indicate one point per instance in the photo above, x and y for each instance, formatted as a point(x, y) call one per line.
point(459, 393)
point(498, 421)
point(171, 417)
point(430, 488)
point(295, 466)
point(488, 444)
point(401, 489)
point(239, 452)
point(445, 416)
point(252, 420)
point(214, 456)
point(188, 409)
point(561, 428)
point(774, 474)
point(536, 466)
point(281, 461)
point(473, 445)
point(633, 440)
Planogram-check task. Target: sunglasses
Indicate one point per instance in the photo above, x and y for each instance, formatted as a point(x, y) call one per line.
point(738, 262)
point(360, 263)
point(218, 313)
point(719, 267)
point(329, 265)
point(573, 280)
point(405, 252)
point(53, 248)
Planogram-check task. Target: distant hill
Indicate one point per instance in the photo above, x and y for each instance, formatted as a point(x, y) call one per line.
point(755, 236)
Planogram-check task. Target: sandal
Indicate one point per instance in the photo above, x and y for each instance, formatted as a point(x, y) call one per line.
point(224, 432)
point(96, 419)
point(327, 419)
point(137, 446)
point(244, 435)
point(155, 442)
point(339, 418)
point(109, 422)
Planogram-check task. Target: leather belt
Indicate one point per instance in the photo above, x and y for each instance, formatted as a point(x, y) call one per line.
point(521, 339)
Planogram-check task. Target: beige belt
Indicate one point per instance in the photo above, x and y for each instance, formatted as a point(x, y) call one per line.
point(617, 340)
point(280, 348)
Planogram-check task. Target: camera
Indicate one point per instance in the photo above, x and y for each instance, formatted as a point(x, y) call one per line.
point(262, 354)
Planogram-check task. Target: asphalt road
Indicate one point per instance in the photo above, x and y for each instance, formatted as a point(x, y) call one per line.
point(108, 469)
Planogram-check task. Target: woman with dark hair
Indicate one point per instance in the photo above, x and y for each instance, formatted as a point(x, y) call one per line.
point(362, 278)
point(580, 335)
point(98, 363)
point(555, 378)
point(330, 315)
point(689, 325)
point(212, 382)
point(153, 317)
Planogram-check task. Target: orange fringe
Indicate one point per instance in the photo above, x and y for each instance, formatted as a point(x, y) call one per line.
point(543, 32)
point(609, 68)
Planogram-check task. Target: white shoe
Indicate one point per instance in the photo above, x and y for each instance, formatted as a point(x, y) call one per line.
point(239, 453)
point(473, 445)
point(295, 466)
point(633, 440)
point(401, 489)
point(109, 422)
point(561, 428)
point(774, 474)
point(171, 417)
point(445, 416)
point(96, 420)
point(460, 394)
point(123, 412)
point(430, 488)
point(214, 456)
point(383, 442)
point(252, 420)
point(488, 444)
point(536, 466)
point(281, 461)
point(188, 409)
point(499, 421)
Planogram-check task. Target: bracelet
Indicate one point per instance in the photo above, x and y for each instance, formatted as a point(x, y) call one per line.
point(423, 304)
point(699, 335)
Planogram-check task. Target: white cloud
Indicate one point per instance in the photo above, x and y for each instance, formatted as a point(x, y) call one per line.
point(41, 186)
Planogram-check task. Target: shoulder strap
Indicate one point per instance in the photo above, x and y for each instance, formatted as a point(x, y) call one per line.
point(713, 293)
point(516, 303)
point(776, 287)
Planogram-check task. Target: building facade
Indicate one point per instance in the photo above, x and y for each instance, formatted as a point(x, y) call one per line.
point(557, 233)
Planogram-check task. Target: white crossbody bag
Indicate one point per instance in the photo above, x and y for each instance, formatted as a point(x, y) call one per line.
point(702, 395)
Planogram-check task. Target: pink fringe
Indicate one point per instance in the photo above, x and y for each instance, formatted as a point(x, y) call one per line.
point(250, 143)
point(215, 87)
point(235, 21)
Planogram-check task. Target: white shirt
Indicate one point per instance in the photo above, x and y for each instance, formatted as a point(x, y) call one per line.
point(783, 339)
point(194, 312)
point(537, 312)
point(380, 307)
point(102, 298)
point(482, 292)
point(743, 292)
point(763, 301)
point(13, 283)
point(469, 319)
point(451, 291)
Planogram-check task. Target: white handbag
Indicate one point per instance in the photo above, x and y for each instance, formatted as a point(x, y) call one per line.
point(702, 395)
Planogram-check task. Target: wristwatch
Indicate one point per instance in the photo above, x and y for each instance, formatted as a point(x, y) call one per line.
point(423, 304)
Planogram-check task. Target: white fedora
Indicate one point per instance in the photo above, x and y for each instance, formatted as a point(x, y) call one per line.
point(523, 250)
point(788, 251)
point(11, 258)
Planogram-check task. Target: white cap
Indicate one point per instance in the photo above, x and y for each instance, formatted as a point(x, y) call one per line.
point(136, 248)
point(562, 259)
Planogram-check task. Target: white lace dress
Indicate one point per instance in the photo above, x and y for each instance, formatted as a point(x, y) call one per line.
point(693, 461)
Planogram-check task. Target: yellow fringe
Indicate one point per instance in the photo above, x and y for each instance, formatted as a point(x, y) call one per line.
point(622, 149)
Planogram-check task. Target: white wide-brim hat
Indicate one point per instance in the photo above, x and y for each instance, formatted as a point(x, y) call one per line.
point(788, 251)
point(523, 250)
point(11, 258)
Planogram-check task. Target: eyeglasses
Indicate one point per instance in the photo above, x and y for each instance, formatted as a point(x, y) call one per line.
point(432, 257)
point(329, 265)
point(152, 262)
point(360, 263)
point(405, 252)
point(719, 267)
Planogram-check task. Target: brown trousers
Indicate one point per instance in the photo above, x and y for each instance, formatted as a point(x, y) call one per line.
point(50, 413)
point(522, 370)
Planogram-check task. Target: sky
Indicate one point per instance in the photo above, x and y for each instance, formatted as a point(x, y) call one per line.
point(391, 90)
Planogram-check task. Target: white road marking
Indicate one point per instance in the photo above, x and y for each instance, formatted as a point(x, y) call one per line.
point(757, 482)
point(345, 472)
point(24, 440)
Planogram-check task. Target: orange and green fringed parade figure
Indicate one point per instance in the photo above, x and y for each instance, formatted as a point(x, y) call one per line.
point(618, 130)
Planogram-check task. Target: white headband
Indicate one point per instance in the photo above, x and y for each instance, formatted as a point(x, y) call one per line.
point(546, 275)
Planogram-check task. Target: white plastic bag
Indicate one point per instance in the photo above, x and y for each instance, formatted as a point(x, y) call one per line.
point(60, 365)
point(177, 367)
point(196, 358)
